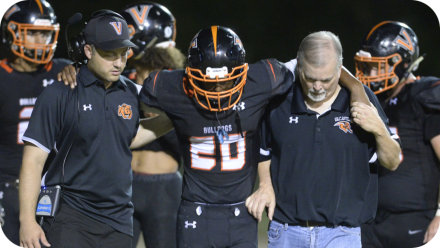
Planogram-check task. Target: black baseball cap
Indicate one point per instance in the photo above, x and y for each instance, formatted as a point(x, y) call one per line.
point(108, 32)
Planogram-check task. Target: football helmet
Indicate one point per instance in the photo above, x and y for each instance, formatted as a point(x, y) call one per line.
point(21, 25)
point(150, 24)
point(387, 55)
point(216, 57)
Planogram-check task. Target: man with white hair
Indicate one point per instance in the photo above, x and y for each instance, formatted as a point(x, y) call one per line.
point(320, 149)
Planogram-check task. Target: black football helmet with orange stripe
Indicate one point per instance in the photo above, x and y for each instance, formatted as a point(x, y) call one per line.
point(150, 24)
point(216, 57)
point(387, 55)
point(20, 24)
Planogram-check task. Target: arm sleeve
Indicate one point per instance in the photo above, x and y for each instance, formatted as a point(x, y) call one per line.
point(45, 122)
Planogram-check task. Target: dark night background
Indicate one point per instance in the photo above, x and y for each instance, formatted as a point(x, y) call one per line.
point(275, 28)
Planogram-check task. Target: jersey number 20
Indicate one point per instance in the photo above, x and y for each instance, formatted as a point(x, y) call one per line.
point(232, 153)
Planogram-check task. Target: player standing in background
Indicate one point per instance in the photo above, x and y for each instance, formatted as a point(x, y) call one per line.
point(157, 185)
point(408, 197)
point(29, 35)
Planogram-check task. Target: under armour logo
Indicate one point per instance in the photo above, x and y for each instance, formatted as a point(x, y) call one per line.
point(239, 107)
point(87, 107)
point(393, 101)
point(117, 26)
point(47, 82)
point(291, 120)
point(193, 224)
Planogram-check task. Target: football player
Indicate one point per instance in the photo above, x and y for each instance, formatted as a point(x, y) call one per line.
point(157, 185)
point(408, 197)
point(29, 32)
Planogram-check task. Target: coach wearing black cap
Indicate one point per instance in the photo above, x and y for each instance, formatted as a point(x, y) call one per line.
point(90, 128)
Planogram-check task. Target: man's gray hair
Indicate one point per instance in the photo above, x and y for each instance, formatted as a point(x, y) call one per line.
point(314, 47)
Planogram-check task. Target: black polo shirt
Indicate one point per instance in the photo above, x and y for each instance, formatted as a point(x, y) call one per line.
point(95, 152)
point(320, 163)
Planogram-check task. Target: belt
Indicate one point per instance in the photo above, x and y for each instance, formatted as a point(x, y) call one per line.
point(309, 223)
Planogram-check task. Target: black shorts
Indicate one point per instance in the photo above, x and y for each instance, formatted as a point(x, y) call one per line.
point(396, 230)
point(216, 225)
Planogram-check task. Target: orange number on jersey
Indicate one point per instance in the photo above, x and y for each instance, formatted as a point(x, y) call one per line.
point(232, 152)
point(25, 114)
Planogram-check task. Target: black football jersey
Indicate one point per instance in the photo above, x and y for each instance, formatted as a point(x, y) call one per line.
point(219, 169)
point(414, 185)
point(18, 93)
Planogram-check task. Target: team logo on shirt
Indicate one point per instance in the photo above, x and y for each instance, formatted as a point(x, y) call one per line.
point(344, 126)
point(343, 122)
point(125, 111)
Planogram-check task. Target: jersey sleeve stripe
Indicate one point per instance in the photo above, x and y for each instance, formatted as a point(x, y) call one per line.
point(48, 66)
point(435, 84)
point(38, 144)
point(5, 66)
point(154, 83)
point(271, 67)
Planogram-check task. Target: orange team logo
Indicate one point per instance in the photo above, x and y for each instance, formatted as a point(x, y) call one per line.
point(117, 26)
point(344, 126)
point(406, 42)
point(140, 15)
point(124, 111)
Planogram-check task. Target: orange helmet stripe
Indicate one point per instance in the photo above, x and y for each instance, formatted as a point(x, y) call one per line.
point(39, 6)
point(375, 27)
point(214, 38)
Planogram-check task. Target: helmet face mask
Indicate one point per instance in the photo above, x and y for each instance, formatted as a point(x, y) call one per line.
point(386, 55)
point(217, 70)
point(378, 73)
point(30, 30)
point(214, 92)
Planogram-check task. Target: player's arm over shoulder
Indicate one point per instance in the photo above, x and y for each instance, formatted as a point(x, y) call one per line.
point(277, 73)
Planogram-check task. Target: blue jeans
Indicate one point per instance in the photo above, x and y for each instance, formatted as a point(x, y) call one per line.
point(285, 236)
